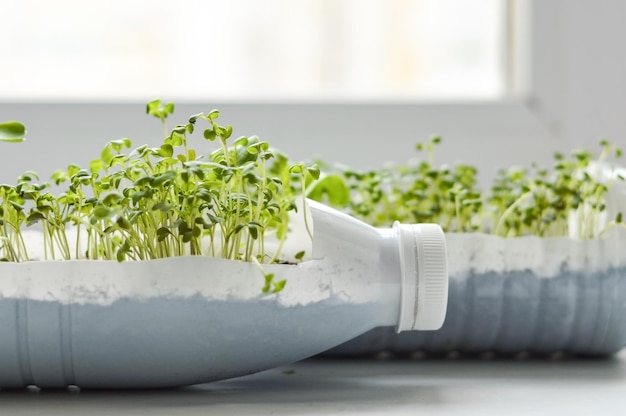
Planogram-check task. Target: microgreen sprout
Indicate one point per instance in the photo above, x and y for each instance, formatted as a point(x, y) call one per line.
point(416, 192)
point(160, 202)
point(567, 200)
point(160, 111)
point(306, 174)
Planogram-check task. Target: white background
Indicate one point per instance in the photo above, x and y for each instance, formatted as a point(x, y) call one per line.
point(243, 49)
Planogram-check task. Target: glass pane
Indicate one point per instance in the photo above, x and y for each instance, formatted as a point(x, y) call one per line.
point(247, 49)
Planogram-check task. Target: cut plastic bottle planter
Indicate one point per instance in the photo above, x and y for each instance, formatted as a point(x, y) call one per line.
point(527, 294)
point(524, 294)
point(188, 320)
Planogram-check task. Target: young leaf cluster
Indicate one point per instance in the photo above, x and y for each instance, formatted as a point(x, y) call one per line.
point(160, 202)
point(564, 200)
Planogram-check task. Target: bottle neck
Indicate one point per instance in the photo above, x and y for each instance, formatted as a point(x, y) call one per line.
point(409, 261)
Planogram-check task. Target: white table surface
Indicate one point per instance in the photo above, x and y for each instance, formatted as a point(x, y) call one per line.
point(390, 387)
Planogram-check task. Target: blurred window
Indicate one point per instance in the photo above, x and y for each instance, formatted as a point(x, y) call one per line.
point(251, 49)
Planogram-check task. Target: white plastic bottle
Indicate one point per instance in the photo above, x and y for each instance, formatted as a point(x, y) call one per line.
point(410, 257)
point(528, 295)
point(187, 320)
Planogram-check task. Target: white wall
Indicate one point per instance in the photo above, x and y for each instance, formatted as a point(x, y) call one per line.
point(594, 81)
point(577, 93)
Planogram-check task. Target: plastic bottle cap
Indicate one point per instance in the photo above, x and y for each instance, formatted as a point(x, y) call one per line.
point(424, 269)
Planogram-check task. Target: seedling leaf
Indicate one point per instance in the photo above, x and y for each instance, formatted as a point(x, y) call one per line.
point(12, 131)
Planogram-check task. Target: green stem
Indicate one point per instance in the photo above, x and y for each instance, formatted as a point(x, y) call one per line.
point(509, 211)
point(304, 206)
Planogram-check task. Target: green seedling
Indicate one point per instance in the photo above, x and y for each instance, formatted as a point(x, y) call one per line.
point(564, 200)
point(167, 201)
point(535, 201)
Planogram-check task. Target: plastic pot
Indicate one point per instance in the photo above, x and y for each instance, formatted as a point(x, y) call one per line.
point(525, 294)
point(187, 320)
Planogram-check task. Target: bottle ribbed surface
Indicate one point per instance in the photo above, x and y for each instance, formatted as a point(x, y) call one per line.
point(424, 271)
point(432, 276)
point(562, 296)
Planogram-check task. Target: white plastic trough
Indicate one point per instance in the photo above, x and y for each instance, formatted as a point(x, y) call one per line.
point(188, 320)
